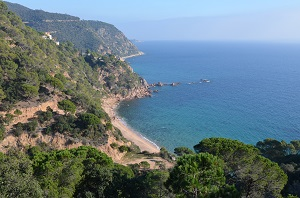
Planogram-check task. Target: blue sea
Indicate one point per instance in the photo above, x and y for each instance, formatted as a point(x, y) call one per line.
point(253, 93)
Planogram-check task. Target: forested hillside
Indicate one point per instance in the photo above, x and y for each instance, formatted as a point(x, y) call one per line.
point(34, 72)
point(97, 36)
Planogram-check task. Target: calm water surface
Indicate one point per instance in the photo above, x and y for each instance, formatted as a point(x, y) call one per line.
point(253, 94)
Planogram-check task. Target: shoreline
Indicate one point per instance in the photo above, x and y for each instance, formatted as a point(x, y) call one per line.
point(110, 107)
point(134, 55)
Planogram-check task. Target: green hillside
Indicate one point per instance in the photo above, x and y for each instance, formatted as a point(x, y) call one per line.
point(34, 69)
point(97, 36)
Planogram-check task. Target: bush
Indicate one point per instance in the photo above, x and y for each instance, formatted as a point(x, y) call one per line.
point(2, 131)
point(18, 129)
point(109, 126)
point(123, 149)
point(17, 112)
point(31, 126)
point(89, 119)
point(67, 106)
point(114, 145)
point(182, 151)
point(144, 165)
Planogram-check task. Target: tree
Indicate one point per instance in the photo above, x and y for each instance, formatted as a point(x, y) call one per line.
point(2, 131)
point(28, 91)
point(67, 106)
point(144, 165)
point(89, 119)
point(55, 82)
point(16, 176)
point(149, 184)
point(18, 112)
point(120, 184)
point(199, 175)
point(272, 148)
point(252, 174)
point(2, 94)
point(182, 151)
point(97, 174)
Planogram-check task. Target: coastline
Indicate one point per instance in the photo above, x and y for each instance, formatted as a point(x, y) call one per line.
point(110, 107)
point(134, 55)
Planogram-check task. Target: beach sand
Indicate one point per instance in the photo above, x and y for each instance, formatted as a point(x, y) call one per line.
point(109, 105)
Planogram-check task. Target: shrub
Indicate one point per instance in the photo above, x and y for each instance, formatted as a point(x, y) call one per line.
point(109, 126)
point(144, 165)
point(67, 106)
point(123, 149)
point(114, 145)
point(17, 112)
point(18, 129)
point(2, 131)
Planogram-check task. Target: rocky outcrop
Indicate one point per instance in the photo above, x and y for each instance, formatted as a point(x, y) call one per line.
point(58, 141)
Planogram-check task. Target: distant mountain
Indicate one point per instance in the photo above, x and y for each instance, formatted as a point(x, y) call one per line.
point(85, 34)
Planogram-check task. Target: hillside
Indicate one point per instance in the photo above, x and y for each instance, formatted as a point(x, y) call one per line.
point(56, 138)
point(96, 36)
point(52, 92)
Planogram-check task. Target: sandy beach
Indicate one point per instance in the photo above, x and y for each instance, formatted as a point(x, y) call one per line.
point(110, 105)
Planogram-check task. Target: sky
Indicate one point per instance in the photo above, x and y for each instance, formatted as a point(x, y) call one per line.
point(251, 20)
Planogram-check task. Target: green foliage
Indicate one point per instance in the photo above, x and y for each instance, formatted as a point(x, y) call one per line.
point(164, 153)
point(120, 184)
point(2, 131)
point(17, 112)
point(29, 64)
point(67, 106)
point(149, 184)
point(114, 145)
point(44, 116)
point(7, 119)
point(31, 126)
point(16, 176)
point(85, 34)
point(2, 94)
point(144, 165)
point(67, 172)
point(109, 126)
point(61, 77)
point(123, 149)
point(199, 175)
point(180, 151)
point(18, 129)
point(89, 119)
point(55, 82)
point(28, 91)
point(64, 124)
point(273, 149)
point(252, 174)
point(287, 155)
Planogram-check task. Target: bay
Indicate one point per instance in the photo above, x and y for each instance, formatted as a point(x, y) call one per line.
point(253, 93)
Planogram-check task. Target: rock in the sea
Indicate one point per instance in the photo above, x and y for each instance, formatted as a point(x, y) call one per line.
point(160, 84)
point(175, 83)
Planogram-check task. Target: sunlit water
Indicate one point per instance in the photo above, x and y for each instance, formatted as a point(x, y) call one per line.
point(253, 93)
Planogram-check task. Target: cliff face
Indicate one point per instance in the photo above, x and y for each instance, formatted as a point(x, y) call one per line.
point(86, 35)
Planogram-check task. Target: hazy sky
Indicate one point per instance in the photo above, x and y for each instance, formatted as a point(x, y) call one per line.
point(187, 19)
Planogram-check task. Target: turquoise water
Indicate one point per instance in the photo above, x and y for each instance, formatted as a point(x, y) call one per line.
point(254, 92)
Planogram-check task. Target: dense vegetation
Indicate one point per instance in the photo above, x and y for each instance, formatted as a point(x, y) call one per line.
point(228, 168)
point(97, 36)
point(36, 70)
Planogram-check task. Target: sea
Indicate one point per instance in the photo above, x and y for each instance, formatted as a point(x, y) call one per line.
point(251, 92)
